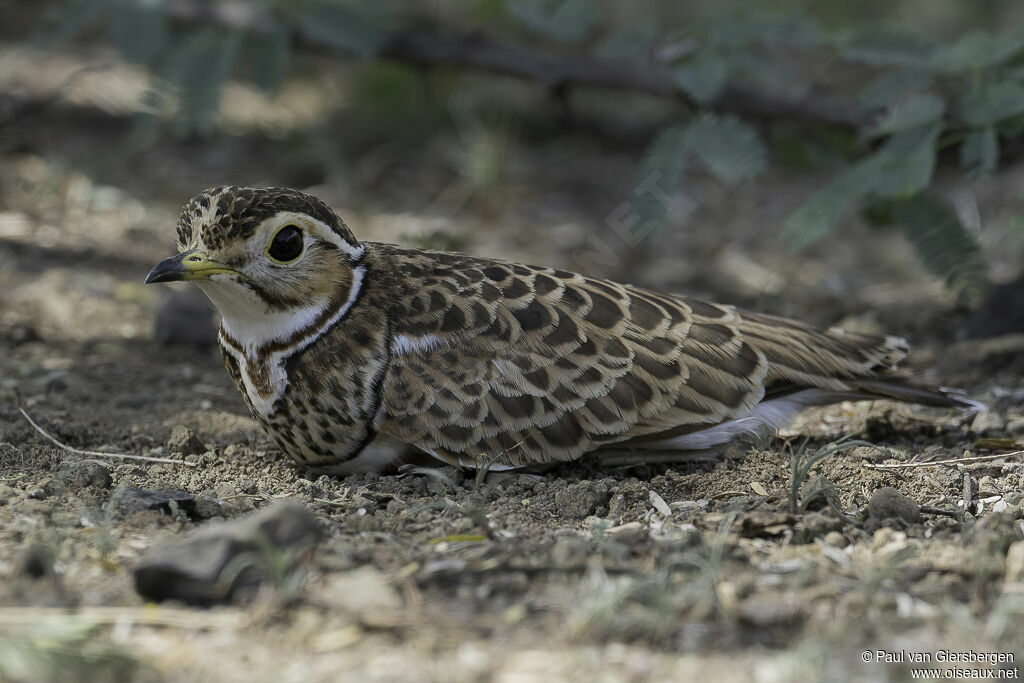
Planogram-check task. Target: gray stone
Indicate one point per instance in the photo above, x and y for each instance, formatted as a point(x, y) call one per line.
point(579, 500)
point(1015, 562)
point(616, 506)
point(987, 487)
point(358, 503)
point(183, 440)
point(133, 499)
point(270, 542)
point(186, 318)
point(868, 453)
point(90, 473)
point(949, 477)
point(42, 492)
point(988, 422)
point(889, 504)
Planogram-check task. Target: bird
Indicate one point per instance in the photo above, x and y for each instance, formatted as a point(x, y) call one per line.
point(353, 354)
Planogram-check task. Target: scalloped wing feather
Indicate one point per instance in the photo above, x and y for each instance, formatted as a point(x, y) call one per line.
point(530, 365)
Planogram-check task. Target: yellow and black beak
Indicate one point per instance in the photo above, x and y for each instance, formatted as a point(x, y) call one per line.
point(192, 265)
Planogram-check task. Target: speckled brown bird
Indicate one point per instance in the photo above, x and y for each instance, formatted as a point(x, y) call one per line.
point(350, 352)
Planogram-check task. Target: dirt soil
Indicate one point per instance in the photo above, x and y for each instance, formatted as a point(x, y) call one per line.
point(587, 572)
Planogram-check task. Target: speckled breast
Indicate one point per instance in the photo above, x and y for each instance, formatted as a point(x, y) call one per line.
point(326, 412)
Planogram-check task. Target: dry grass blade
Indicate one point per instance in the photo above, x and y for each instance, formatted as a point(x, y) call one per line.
point(147, 616)
point(98, 454)
point(951, 461)
point(802, 462)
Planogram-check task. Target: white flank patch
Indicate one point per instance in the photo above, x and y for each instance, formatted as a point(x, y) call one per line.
point(255, 328)
point(402, 344)
point(769, 416)
point(381, 454)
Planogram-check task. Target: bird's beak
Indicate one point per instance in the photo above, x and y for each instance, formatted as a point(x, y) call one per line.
point(192, 265)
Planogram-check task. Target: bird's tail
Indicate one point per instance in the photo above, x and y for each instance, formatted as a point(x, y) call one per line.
point(841, 365)
point(901, 389)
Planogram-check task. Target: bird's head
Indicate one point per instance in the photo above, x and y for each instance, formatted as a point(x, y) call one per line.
point(272, 260)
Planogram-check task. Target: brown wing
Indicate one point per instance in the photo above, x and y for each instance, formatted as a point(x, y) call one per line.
point(539, 365)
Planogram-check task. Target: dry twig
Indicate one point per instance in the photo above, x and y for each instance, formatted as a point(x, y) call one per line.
point(952, 461)
point(98, 454)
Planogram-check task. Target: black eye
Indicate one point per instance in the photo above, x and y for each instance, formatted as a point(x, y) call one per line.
point(286, 245)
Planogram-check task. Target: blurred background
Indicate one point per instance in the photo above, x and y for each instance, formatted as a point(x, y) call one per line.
point(851, 163)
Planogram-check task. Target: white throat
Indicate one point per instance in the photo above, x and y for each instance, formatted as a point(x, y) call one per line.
point(246, 322)
point(246, 319)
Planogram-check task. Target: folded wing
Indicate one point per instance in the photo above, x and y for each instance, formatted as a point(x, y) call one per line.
point(529, 365)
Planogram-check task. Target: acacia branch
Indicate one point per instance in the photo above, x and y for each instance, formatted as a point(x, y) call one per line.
point(650, 74)
point(647, 75)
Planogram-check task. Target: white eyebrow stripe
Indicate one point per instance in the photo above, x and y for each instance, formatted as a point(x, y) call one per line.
point(354, 252)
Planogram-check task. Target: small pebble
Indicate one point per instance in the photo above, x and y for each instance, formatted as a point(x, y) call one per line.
point(988, 421)
point(185, 318)
point(88, 473)
point(617, 505)
point(888, 503)
point(836, 539)
point(987, 486)
point(660, 505)
point(39, 493)
point(1015, 562)
point(183, 440)
point(579, 500)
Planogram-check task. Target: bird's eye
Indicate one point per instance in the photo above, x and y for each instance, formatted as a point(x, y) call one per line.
point(286, 245)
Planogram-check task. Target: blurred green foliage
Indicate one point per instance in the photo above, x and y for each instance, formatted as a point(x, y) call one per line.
point(922, 91)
